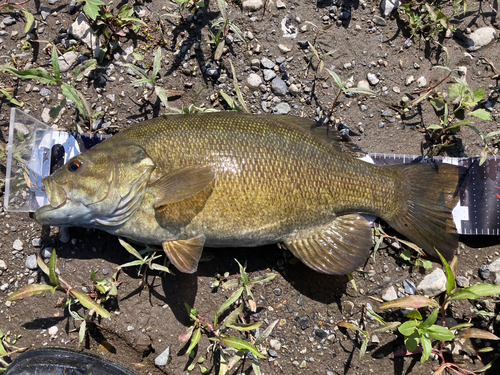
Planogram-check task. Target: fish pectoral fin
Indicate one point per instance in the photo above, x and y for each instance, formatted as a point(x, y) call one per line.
point(185, 254)
point(337, 248)
point(182, 184)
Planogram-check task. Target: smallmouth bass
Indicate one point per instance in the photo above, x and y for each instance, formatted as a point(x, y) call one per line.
point(232, 179)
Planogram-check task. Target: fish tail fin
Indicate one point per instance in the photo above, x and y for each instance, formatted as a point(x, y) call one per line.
point(432, 191)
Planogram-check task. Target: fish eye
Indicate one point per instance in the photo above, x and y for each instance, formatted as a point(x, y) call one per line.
point(74, 165)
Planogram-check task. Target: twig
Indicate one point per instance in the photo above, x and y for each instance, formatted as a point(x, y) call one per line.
point(18, 4)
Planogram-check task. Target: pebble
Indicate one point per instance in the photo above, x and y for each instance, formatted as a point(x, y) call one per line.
point(275, 344)
point(294, 90)
point(377, 20)
point(67, 60)
point(462, 281)
point(348, 307)
point(268, 74)
point(282, 109)
point(480, 38)
point(409, 287)
point(36, 242)
point(44, 12)
point(272, 353)
point(46, 115)
point(321, 333)
point(372, 78)
point(212, 72)
point(409, 80)
point(81, 30)
point(162, 359)
point(304, 322)
point(7, 21)
point(3, 266)
point(363, 84)
point(4, 287)
point(389, 294)
point(388, 6)
point(421, 82)
point(433, 283)
point(105, 271)
point(252, 5)
point(45, 92)
point(278, 87)
point(31, 262)
point(277, 291)
point(396, 89)
point(484, 271)
point(495, 270)
point(46, 252)
point(53, 330)
point(280, 4)
point(283, 48)
point(17, 245)
point(266, 63)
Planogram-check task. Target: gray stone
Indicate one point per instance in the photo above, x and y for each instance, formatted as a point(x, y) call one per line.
point(36, 242)
point(377, 20)
point(266, 63)
point(81, 30)
point(363, 84)
point(321, 333)
point(44, 12)
point(277, 291)
point(284, 48)
point(278, 87)
point(212, 72)
point(252, 5)
point(31, 262)
point(46, 115)
point(46, 252)
point(433, 284)
point(7, 21)
point(462, 281)
point(409, 287)
point(294, 90)
point(372, 78)
point(254, 81)
point(421, 82)
point(280, 4)
point(272, 353)
point(495, 270)
point(304, 323)
point(275, 344)
point(67, 60)
point(45, 92)
point(3, 266)
point(4, 287)
point(480, 38)
point(268, 74)
point(409, 80)
point(389, 294)
point(282, 109)
point(162, 359)
point(17, 245)
point(388, 6)
point(484, 271)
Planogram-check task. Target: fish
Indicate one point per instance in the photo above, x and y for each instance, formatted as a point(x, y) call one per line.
point(227, 179)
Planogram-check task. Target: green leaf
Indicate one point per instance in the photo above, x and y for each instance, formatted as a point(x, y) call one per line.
point(29, 21)
point(194, 340)
point(232, 299)
point(30, 290)
point(239, 95)
point(431, 319)
point(482, 114)
point(414, 314)
point(162, 94)
point(81, 333)
point(10, 98)
point(375, 316)
point(264, 335)
point(414, 302)
point(335, 77)
point(53, 278)
point(478, 95)
point(131, 264)
point(55, 110)
point(259, 280)
point(240, 344)
point(408, 327)
point(357, 90)
point(492, 134)
point(440, 333)
point(130, 249)
point(362, 350)
point(411, 342)
point(138, 71)
point(426, 347)
point(83, 68)
point(42, 265)
point(245, 327)
point(70, 93)
point(36, 74)
point(476, 291)
point(438, 104)
point(387, 327)
point(156, 64)
point(87, 302)
point(458, 125)
point(434, 127)
point(455, 90)
point(219, 49)
point(159, 267)
point(484, 156)
point(232, 317)
point(91, 8)
point(243, 274)
point(55, 63)
point(405, 254)
point(450, 278)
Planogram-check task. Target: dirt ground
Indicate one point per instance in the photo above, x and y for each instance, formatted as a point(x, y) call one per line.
point(308, 305)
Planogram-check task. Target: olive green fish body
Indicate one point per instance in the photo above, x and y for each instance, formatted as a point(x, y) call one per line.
point(228, 179)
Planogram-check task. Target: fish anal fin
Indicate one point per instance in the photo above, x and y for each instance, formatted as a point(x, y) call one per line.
point(181, 184)
point(335, 249)
point(185, 254)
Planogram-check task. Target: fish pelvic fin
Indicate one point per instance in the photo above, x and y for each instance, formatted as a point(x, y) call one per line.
point(185, 254)
point(335, 249)
point(425, 218)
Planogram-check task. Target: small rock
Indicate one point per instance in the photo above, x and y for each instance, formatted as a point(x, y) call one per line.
point(17, 245)
point(280, 4)
point(480, 38)
point(348, 307)
point(388, 6)
point(484, 271)
point(254, 81)
point(409, 80)
point(433, 284)
point(278, 87)
point(252, 5)
point(44, 12)
point(377, 20)
point(301, 301)
point(275, 344)
point(396, 89)
point(389, 294)
point(4, 287)
point(294, 90)
point(36, 242)
point(7, 21)
point(282, 109)
point(81, 30)
point(272, 353)
point(363, 84)
point(162, 359)
point(283, 48)
point(3, 266)
point(421, 82)
point(45, 92)
point(277, 291)
point(67, 60)
point(46, 252)
point(495, 270)
point(268, 74)
point(266, 63)
point(321, 334)
point(212, 72)
point(409, 287)
point(31, 263)
point(304, 323)
point(375, 340)
point(53, 330)
point(372, 78)
point(462, 281)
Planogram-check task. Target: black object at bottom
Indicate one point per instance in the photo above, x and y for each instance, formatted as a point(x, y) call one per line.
point(59, 361)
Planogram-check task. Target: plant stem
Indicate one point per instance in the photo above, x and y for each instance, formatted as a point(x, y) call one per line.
point(18, 4)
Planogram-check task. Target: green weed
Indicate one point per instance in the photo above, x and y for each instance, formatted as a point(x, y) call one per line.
point(342, 88)
point(222, 28)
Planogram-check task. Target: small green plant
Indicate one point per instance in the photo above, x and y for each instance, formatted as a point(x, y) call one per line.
point(55, 79)
point(7, 348)
point(222, 28)
point(343, 89)
point(8, 95)
point(220, 332)
point(30, 19)
point(419, 333)
point(366, 334)
point(56, 282)
point(182, 5)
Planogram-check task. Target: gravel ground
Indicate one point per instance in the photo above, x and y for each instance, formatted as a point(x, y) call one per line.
point(277, 73)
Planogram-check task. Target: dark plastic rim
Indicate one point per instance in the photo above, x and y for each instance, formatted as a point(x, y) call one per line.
point(65, 362)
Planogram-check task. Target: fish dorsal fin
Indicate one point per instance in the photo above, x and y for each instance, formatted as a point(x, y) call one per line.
point(335, 249)
point(181, 184)
point(185, 254)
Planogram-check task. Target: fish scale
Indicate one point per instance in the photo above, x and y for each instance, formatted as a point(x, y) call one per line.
point(231, 179)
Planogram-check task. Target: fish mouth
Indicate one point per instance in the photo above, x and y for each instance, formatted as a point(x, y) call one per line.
point(57, 197)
